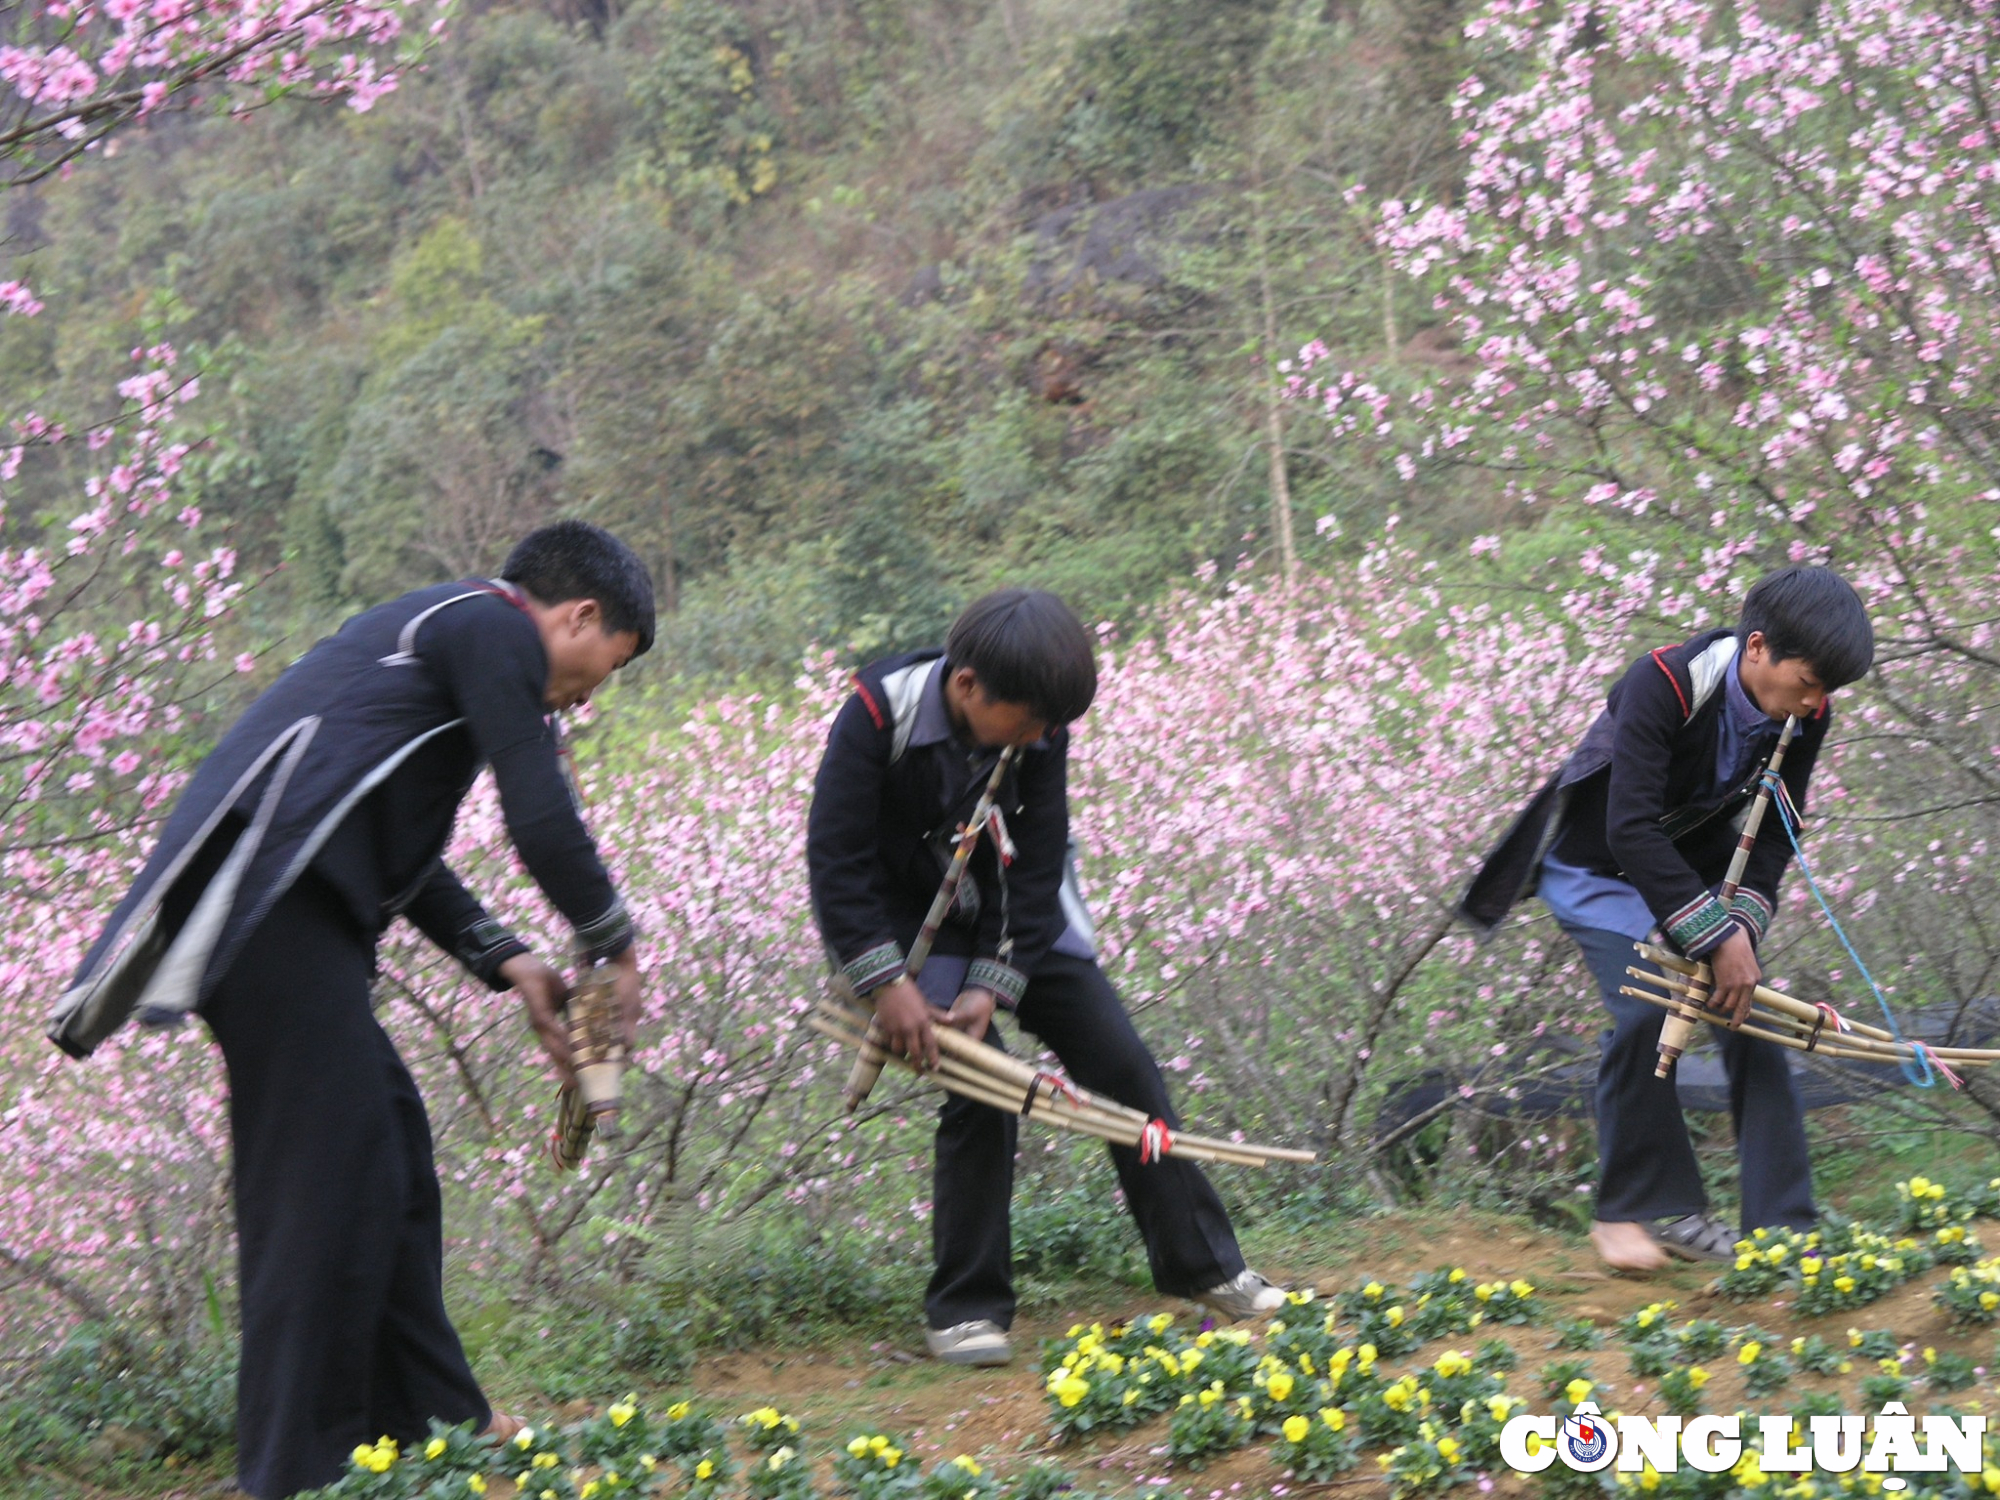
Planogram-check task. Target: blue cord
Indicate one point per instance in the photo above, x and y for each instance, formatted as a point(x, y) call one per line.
point(1919, 1054)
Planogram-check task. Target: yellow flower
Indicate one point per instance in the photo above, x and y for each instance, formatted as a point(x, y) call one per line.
point(1989, 1300)
point(1160, 1322)
point(1650, 1479)
point(705, 1469)
point(1484, 1291)
point(1364, 1357)
point(1372, 1290)
point(1854, 1338)
point(360, 1456)
point(858, 1447)
point(891, 1457)
point(878, 1445)
point(1070, 1389)
point(779, 1459)
point(1500, 1406)
point(1809, 1265)
point(1747, 1355)
point(1281, 1386)
point(1457, 1275)
point(1452, 1363)
point(1535, 1443)
point(434, 1447)
point(678, 1411)
point(589, 1490)
point(1394, 1317)
point(1776, 1254)
point(968, 1463)
point(1521, 1288)
point(525, 1439)
point(1919, 1187)
point(476, 1483)
point(1577, 1390)
point(1448, 1449)
point(623, 1412)
point(1697, 1377)
point(1296, 1429)
point(1334, 1417)
point(546, 1460)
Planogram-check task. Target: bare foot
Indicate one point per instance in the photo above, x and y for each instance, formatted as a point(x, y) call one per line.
point(1627, 1247)
point(503, 1428)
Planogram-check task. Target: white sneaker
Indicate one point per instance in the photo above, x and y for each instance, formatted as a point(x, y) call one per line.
point(981, 1342)
point(1244, 1295)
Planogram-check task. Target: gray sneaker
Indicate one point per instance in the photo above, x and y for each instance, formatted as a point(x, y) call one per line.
point(981, 1342)
point(1245, 1295)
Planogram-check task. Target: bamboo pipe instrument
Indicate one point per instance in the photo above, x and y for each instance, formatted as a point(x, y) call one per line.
point(971, 1085)
point(980, 1072)
point(1019, 1079)
point(1679, 1026)
point(589, 1106)
point(868, 1065)
point(1794, 1023)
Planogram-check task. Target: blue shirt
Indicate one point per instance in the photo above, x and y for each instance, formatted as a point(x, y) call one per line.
point(1578, 897)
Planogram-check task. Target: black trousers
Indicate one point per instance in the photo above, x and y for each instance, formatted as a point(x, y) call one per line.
point(339, 1221)
point(1645, 1162)
point(1190, 1247)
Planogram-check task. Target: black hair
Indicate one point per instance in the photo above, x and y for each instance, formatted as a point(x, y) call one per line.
point(1813, 615)
point(576, 560)
point(1025, 646)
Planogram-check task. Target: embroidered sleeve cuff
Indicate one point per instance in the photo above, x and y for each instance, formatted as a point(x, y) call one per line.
point(1008, 984)
point(1753, 911)
point(1698, 926)
point(483, 947)
point(606, 936)
point(873, 969)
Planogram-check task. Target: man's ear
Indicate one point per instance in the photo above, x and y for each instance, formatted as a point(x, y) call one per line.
point(585, 614)
point(1755, 647)
point(964, 679)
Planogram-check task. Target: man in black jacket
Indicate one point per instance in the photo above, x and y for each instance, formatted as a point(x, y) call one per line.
point(905, 762)
point(320, 817)
point(1633, 836)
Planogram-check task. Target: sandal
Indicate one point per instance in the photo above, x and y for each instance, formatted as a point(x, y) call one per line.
point(503, 1429)
point(1696, 1237)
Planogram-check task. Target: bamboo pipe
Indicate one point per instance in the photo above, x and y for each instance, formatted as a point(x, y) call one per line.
point(1792, 1030)
point(1001, 1093)
point(1678, 1029)
point(1023, 1077)
point(970, 1085)
point(1800, 1013)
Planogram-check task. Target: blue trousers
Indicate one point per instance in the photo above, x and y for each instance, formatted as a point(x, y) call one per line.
point(1190, 1246)
point(1645, 1162)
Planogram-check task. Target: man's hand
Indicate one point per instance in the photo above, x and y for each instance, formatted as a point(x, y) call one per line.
point(545, 992)
point(625, 984)
point(972, 1012)
point(905, 1019)
point(1734, 969)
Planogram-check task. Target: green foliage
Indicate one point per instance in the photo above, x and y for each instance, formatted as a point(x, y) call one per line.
point(707, 133)
point(99, 1408)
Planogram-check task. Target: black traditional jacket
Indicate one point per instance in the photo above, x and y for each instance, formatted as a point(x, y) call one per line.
point(878, 839)
point(353, 764)
point(1637, 800)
